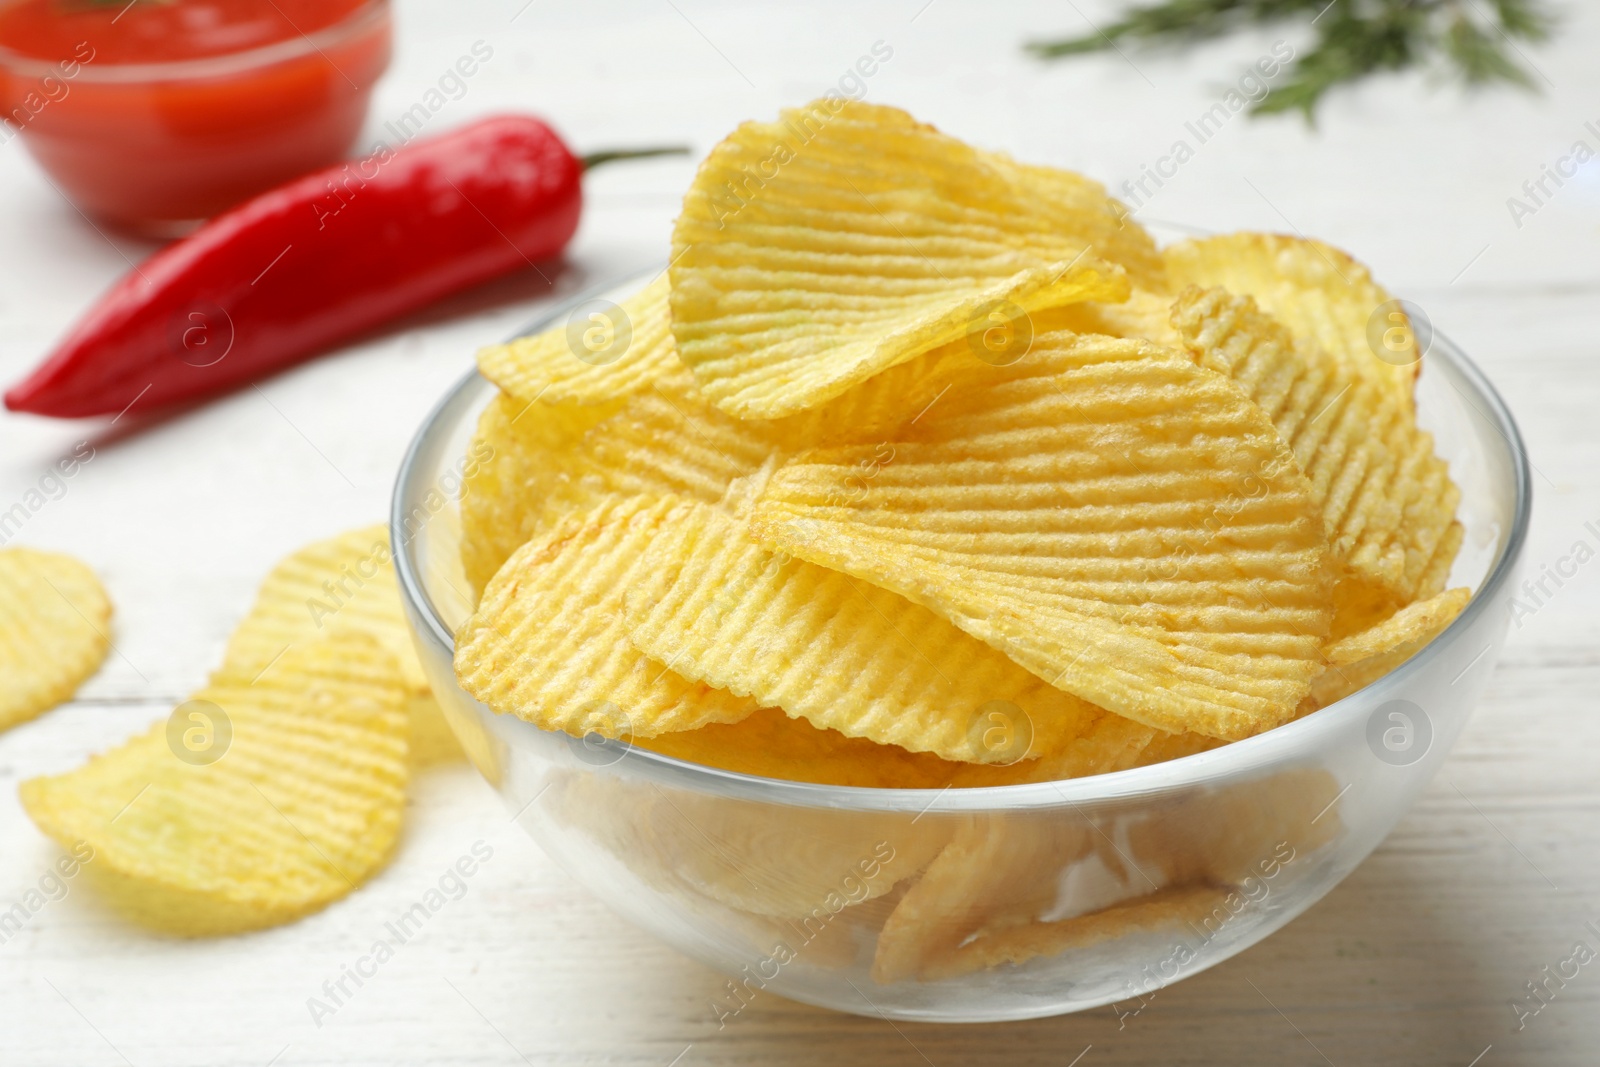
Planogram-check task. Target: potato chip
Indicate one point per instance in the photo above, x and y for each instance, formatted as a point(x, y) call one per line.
point(1124, 524)
point(343, 583)
point(770, 744)
point(996, 869)
point(1324, 297)
point(1363, 658)
point(1387, 500)
point(55, 623)
point(781, 861)
point(546, 643)
point(852, 657)
point(1176, 908)
point(1237, 831)
point(817, 251)
point(257, 803)
point(609, 358)
point(1145, 315)
point(515, 463)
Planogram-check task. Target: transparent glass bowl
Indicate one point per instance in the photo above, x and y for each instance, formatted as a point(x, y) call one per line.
point(1044, 898)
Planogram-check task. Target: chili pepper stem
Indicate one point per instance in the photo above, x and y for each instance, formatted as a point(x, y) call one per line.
point(595, 159)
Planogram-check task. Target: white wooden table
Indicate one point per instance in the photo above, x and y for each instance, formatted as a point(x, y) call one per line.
point(1414, 960)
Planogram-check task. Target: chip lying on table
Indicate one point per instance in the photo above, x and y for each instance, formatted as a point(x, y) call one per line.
point(924, 468)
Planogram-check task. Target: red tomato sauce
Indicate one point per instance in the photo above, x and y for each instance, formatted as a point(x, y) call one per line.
point(155, 112)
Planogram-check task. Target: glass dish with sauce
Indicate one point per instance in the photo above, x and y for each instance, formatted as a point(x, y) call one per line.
point(153, 114)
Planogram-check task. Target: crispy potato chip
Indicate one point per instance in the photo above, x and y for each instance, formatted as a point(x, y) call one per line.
point(1145, 315)
point(781, 861)
point(1363, 658)
point(819, 250)
point(1173, 908)
point(1324, 297)
point(1124, 524)
point(515, 463)
point(770, 744)
point(1436, 575)
point(55, 621)
point(1237, 831)
point(996, 869)
point(850, 656)
point(302, 806)
point(1387, 500)
point(605, 362)
point(342, 583)
point(546, 643)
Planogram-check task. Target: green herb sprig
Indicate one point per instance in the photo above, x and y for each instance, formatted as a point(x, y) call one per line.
point(1475, 39)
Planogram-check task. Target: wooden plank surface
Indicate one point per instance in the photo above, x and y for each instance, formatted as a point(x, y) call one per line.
point(1415, 959)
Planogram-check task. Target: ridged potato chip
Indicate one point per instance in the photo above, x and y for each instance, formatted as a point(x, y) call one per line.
point(775, 860)
point(819, 250)
point(1387, 500)
point(1322, 295)
point(1175, 908)
point(1124, 524)
point(55, 621)
point(852, 657)
point(996, 869)
point(604, 362)
point(515, 463)
point(770, 744)
point(302, 806)
point(1363, 658)
point(547, 643)
point(342, 583)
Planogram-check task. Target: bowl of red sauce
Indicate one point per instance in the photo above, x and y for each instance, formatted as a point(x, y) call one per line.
point(154, 114)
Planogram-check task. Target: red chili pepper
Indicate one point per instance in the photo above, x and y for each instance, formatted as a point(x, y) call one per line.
point(326, 257)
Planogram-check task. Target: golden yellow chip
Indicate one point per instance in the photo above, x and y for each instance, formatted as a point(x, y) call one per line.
point(343, 583)
point(849, 656)
point(1228, 834)
point(1363, 658)
point(1124, 524)
point(55, 621)
point(819, 250)
point(804, 864)
point(1176, 908)
point(547, 644)
point(597, 360)
point(1145, 315)
point(254, 804)
point(517, 461)
point(1322, 295)
point(1387, 500)
point(996, 870)
point(770, 744)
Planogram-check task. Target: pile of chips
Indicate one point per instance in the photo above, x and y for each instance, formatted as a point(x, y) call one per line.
point(921, 467)
point(279, 785)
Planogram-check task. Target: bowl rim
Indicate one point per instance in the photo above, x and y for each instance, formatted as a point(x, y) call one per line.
point(1295, 739)
point(201, 68)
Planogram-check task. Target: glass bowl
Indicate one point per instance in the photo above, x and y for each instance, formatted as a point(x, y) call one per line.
point(996, 903)
point(157, 147)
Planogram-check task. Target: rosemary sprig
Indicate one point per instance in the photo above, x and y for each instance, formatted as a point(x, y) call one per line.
point(1355, 38)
